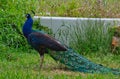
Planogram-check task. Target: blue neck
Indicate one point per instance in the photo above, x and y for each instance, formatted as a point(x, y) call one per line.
point(27, 27)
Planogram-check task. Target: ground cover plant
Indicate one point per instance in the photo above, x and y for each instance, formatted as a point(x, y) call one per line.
point(19, 60)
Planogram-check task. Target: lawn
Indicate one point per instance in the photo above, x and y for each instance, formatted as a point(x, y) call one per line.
point(15, 63)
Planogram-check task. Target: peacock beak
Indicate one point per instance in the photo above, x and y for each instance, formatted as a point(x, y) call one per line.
point(26, 15)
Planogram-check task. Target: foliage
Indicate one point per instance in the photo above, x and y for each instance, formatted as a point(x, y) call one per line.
point(87, 37)
point(12, 13)
point(80, 8)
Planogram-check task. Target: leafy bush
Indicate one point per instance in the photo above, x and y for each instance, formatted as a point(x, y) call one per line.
point(12, 14)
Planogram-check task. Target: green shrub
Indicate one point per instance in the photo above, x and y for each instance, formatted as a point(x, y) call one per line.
point(12, 14)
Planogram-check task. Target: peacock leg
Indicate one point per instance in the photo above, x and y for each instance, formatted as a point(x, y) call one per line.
point(41, 53)
point(41, 60)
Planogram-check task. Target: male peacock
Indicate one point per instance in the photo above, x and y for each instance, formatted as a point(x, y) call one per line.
point(39, 40)
point(74, 61)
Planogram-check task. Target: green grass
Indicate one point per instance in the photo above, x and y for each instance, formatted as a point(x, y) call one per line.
point(88, 36)
point(15, 63)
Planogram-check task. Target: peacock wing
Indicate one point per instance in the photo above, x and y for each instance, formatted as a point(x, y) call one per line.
point(37, 39)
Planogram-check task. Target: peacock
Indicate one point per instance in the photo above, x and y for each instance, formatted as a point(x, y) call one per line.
point(42, 43)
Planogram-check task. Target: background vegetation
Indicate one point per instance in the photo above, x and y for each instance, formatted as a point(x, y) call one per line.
point(18, 60)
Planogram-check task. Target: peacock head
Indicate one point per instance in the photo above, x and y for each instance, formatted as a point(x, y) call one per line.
point(28, 16)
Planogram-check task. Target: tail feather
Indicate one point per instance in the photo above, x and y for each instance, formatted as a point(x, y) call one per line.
point(77, 62)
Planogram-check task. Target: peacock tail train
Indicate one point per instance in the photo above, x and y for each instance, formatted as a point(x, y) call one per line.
point(77, 62)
